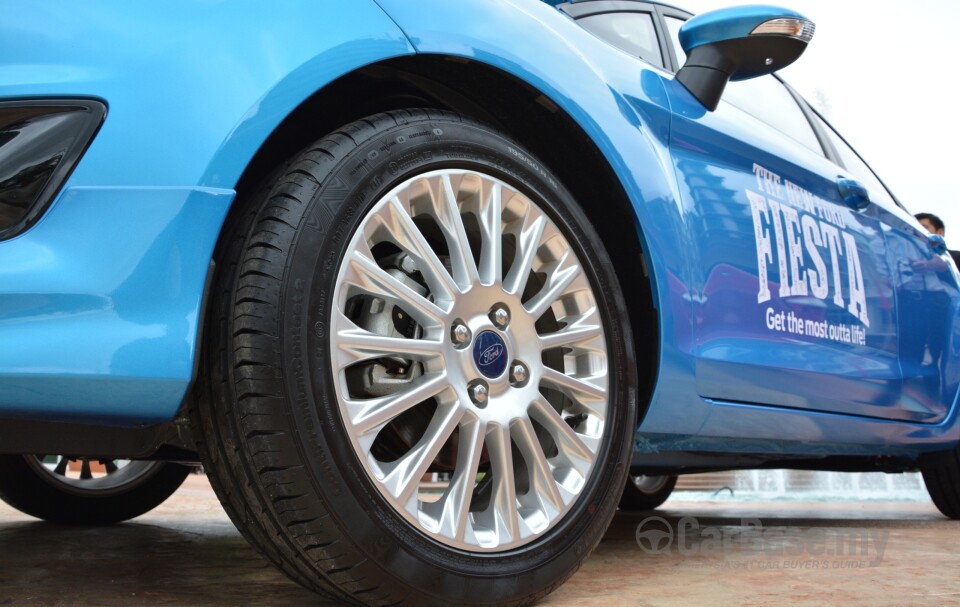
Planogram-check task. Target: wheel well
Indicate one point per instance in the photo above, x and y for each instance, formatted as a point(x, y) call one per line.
point(512, 106)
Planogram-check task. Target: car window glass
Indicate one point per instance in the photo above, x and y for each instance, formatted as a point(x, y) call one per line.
point(857, 167)
point(673, 30)
point(632, 32)
point(766, 99)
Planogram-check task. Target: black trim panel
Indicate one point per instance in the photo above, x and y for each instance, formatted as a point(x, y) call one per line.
point(698, 462)
point(41, 141)
point(171, 440)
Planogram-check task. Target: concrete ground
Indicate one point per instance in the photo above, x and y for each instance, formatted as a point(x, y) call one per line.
point(709, 553)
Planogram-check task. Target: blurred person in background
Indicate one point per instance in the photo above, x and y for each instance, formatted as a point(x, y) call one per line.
point(934, 225)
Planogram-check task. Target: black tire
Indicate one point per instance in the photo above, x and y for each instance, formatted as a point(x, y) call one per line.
point(644, 492)
point(272, 434)
point(941, 475)
point(126, 493)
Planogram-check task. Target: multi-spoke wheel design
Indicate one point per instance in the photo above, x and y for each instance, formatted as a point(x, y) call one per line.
point(85, 490)
point(469, 345)
point(419, 386)
point(84, 475)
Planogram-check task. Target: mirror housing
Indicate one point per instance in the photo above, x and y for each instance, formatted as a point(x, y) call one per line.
point(937, 243)
point(737, 44)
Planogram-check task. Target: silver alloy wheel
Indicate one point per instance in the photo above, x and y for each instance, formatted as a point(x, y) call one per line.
point(467, 344)
point(117, 476)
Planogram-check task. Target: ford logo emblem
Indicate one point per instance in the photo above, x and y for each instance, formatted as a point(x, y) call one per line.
point(490, 354)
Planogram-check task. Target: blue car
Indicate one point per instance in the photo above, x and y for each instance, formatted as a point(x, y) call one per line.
point(430, 288)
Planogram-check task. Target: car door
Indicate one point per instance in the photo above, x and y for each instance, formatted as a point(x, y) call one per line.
point(823, 331)
point(795, 294)
point(795, 303)
point(925, 283)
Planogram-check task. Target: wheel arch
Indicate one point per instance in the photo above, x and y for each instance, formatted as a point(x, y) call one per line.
point(492, 96)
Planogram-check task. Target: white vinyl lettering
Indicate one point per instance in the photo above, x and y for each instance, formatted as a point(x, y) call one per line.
point(758, 204)
point(858, 294)
point(804, 239)
point(816, 276)
point(798, 277)
point(781, 249)
point(831, 237)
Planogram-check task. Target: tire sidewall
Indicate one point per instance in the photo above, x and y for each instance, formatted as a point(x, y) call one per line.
point(329, 222)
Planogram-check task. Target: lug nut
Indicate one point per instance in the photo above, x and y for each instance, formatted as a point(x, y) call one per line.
point(407, 264)
point(500, 316)
point(460, 333)
point(479, 393)
point(518, 374)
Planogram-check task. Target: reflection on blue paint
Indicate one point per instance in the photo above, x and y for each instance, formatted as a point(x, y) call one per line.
point(99, 301)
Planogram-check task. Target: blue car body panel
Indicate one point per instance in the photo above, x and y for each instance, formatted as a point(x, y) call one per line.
point(100, 301)
point(189, 104)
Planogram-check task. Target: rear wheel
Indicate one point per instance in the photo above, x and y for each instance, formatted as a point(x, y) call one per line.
point(421, 384)
point(941, 475)
point(644, 492)
point(82, 490)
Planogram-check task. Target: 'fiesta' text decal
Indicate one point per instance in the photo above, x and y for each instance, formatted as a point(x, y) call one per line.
point(806, 240)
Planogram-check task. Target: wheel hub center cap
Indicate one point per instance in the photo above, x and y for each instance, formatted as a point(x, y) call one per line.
point(490, 354)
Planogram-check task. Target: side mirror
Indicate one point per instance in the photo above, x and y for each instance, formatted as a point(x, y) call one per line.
point(937, 243)
point(737, 44)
